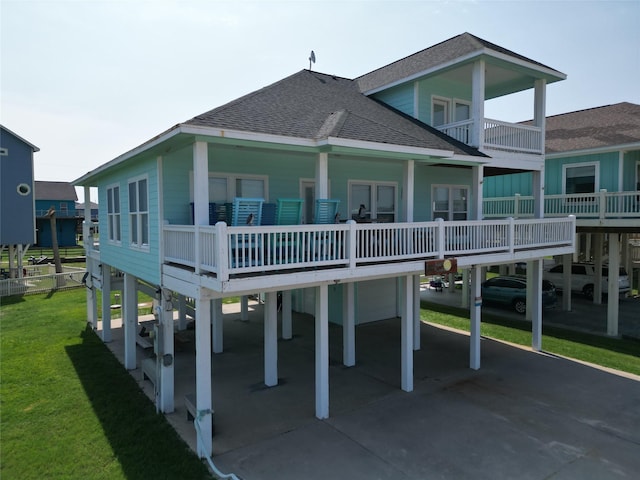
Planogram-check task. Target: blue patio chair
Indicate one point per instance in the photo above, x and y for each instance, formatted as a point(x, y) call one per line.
point(326, 213)
point(289, 211)
point(284, 245)
point(245, 250)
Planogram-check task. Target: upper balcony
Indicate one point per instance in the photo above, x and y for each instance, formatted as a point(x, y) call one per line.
point(504, 136)
point(614, 209)
point(239, 259)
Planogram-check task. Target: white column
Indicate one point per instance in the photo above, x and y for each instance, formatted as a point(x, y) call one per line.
point(477, 192)
point(217, 322)
point(567, 260)
point(406, 334)
point(477, 103)
point(271, 339)
point(408, 184)
point(92, 307)
point(182, 312)
point(348, 325)
point(475, 311)
point(322, 175)
point(87, 238)
point(201, 183)
point(613, 286)
point(417, 322)
point(287, 327)
point(539, 108)
point(244, 308)
point(535, 304)
point(538, 193)
point(106, 303)
point(597, 266)
point(203, 375)
point(130, 319)
point(322, 351)
point(166, 356)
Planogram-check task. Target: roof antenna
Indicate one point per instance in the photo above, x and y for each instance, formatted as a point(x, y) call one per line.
point(312, 59)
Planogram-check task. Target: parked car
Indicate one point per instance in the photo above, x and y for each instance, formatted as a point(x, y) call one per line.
point(512, 290)
point(583, 278)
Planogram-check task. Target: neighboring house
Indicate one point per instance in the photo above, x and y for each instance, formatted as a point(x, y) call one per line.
point(93, 207)
point(61, 197)
point(402, 151)
point(17, 219)
point(592, 171)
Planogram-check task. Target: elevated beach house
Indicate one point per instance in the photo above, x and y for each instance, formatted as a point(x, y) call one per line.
point(339, 193)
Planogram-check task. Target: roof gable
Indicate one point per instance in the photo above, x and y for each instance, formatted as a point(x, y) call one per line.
point(18, 137)
point(606, 126)
point(315, 106)
point(55, 191)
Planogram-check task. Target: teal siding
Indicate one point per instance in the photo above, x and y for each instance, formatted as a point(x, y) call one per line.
point(608, 168)
point(143, 263)
point(425, 177)
point(400, 98)
point(508, 185)
point(631, 182)
point(440, 88)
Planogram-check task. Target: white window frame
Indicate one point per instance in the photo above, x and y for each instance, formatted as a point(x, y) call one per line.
point(450, 211)
point(446, 102)
point(138, 214)
point(231, 183)
point(372, 208)
point(637, 184)
point(113, 218)
point(459, 101)
point(567, 166)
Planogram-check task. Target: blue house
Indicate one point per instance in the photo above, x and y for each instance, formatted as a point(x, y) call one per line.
point(592, 171)
point(339, 193)
point(17, 218)
point(59, 197)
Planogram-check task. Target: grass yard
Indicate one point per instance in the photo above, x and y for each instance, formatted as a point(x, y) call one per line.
point(619, 354)
point(69, 408)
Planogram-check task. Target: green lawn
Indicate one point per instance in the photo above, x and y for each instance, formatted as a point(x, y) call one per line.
point(69, 408)
point(619, 354)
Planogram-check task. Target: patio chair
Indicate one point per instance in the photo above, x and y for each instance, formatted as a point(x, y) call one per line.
point(288, 212)
point(245, 250)
point(326, 210)
point(326, 244)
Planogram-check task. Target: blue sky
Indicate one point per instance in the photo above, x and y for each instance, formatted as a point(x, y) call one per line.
point(88, 80)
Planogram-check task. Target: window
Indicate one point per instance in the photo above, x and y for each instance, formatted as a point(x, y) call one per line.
point(113, 214)
point(138, 213)
point(638, 176)
point(64, 209)
point(580, 178)
point(461, 110)
point(439, 111)
point(450, 202)
point(373, 201)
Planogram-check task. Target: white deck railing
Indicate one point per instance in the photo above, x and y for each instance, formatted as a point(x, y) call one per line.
point(601, 205)
point(229, 251)
point(498, 135)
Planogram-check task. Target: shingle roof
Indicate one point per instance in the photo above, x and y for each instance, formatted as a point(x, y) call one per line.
point(54, 191)
point(605, 126)
point(439, 54)
point(313, 105)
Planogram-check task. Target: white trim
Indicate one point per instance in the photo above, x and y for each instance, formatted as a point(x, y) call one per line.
point(450, 210)
point(109, 188)
point(453, 109)
point(437, 99)
point(596, 181)
point(373, 199)
point(386, 147)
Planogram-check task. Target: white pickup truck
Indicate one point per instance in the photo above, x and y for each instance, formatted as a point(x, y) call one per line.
point(583, 278)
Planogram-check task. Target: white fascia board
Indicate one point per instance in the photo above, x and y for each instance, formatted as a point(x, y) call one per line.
point(249, 136)
point(594, 151)
point(385, 147)
point(523, 63)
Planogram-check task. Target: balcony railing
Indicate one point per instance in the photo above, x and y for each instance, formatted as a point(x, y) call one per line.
point(227, 251)
point(498, 135)
point(601, 205)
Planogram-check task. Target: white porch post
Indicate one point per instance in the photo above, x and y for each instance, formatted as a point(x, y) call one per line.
point(348, 325)
point(92, 307)
point(597, 266)
point(217, 326)
point(406, 334)
point(244, 308)
point(322, 175)
point(87, 238)
point(130, 319)
point(271, 339)
point(416, 312)
point(287, 330)
point(475, 310)
point(165, 400)
point(203, 374)
point(182, 312)
point(408, 189)
point(539, 108)
point(200, 192)
point(322, 351)
point(477, 104)
point(613, 286)
point(106, 303)
point(567, 260)
point(538, 193)
point(535, 304)
point(477, 191)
